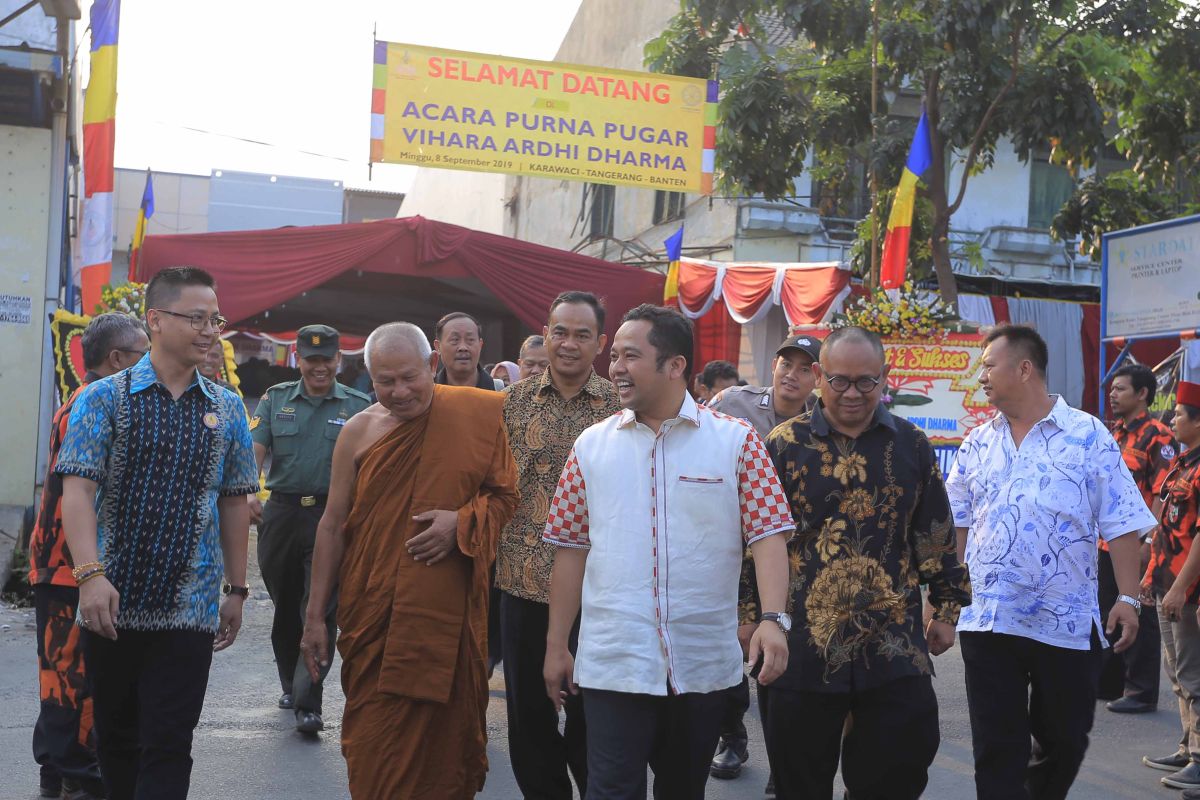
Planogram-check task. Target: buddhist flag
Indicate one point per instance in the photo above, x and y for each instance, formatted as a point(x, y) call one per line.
point(895, 245)
point(139, 230)
point(99, 135)
point(674, 247)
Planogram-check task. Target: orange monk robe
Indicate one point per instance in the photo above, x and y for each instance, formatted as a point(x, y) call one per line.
point(414, 637)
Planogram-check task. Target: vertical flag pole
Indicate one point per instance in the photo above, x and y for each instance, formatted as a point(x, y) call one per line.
point(874, 276)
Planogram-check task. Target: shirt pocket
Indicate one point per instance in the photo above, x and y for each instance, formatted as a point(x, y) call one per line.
point(333, 428)
point(285, 437)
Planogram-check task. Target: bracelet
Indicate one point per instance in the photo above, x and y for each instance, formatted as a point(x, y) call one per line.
point(87, 576)
point(82, 568)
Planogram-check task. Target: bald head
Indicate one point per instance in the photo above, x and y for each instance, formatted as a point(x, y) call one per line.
point(397, 335)
point(853, 333)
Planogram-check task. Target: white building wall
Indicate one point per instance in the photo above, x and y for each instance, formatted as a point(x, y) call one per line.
point(999, 196)
point(24, 233)
point(471, 199)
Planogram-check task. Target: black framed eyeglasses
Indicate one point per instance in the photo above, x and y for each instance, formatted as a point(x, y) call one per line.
point(198, 320)
point(138, 353)
point(840, 383)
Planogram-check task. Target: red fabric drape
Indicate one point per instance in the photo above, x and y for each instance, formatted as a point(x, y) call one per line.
point(1000, 309)
point(1089, 335)
point(257, 270)
point(808, 293)
point(746, 288)
point(717, 338)
point(806, 290)
point(696, 284)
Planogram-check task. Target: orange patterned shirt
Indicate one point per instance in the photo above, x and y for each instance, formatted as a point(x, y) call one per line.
point(1148, 448)
point(1176, 531)
point(49, 561)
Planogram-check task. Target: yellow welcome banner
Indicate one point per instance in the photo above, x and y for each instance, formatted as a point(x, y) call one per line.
point(455, 110)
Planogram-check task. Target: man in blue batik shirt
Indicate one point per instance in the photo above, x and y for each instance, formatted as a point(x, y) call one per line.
point(1031, 490)
point(156, 464)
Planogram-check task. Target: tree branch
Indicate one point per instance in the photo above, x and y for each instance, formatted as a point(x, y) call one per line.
point(977, 139)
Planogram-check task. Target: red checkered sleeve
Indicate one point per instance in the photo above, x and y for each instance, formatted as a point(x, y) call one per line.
point(567, 522)
point(764, 508)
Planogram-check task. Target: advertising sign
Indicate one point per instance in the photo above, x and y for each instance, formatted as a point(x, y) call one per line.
point(1150, 280)
point(454, 110)
point(935, 386)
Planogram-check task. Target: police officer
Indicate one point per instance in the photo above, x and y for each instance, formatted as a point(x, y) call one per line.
point(298, 423)
point(764, 407)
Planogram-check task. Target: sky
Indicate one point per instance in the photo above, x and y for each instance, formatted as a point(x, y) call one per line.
point(194, 80)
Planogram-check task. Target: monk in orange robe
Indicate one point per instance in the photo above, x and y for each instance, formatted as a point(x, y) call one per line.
point(422, 483)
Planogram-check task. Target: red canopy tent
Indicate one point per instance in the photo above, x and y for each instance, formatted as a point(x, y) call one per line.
point(357, 276)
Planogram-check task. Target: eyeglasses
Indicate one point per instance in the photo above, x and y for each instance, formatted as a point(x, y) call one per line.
point(840, 383)
point(198, 320)
point(138, 353)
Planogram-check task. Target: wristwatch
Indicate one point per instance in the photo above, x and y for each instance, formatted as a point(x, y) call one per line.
point(227, 588)
point(1133, 601)
point(780, 618)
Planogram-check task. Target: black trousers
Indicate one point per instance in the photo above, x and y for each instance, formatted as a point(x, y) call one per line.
point(63, 743)
point(885, 756)
point(148, 691)
point(541, 756)
point(1018, 688)
point(737, 703)
point(675, 735)
point(286, 539)
point(1134, 673)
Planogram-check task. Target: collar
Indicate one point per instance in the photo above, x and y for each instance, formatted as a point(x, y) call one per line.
point(593, 386)
point(337, 393)
point(1138, 421)
point(1189, 457)
point(820, 426)
point(689, 411)
point(1059, 415)
point(482, 379)
point(142, 376)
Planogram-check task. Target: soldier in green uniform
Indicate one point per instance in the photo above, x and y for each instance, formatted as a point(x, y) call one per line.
point(298, 423)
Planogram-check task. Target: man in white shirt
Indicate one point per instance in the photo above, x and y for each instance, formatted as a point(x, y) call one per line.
point(1031, 490)
point(651, 515)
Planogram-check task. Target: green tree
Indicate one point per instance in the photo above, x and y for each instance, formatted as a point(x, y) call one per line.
point(796, 80)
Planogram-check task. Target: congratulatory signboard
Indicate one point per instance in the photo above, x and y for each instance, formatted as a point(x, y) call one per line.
point(442, 108)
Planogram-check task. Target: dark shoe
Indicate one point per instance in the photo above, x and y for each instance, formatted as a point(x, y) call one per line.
point(727, 763)
point(1176, 761)
point(50, 785)
point(1191, 794)
point(285, 700)
point(81, 790)
point(1186, 778)
point(309, 721)
point(770, 790)
point(1128, 705)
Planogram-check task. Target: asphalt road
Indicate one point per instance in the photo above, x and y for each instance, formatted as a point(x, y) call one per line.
point(245, 747)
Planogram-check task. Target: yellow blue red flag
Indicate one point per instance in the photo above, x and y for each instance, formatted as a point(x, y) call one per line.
point(899, 227)
point(139, 230)
point(674, 248)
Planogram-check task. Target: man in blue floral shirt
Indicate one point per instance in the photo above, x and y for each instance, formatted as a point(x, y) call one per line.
point(156, 464)
point(1032, 489)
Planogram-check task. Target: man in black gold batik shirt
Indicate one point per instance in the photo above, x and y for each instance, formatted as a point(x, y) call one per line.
point(872, 524)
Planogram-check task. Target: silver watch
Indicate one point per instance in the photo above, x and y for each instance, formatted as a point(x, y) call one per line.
point(780, 618)
point(1133, 601)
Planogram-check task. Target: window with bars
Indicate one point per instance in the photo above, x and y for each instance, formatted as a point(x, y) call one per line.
point(600, 219)
point(668, 206)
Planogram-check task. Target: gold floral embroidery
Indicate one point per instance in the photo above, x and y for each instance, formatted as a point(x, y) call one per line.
point(829, 541)
point(850, 467)
point(858, 504)
point(846, 597)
